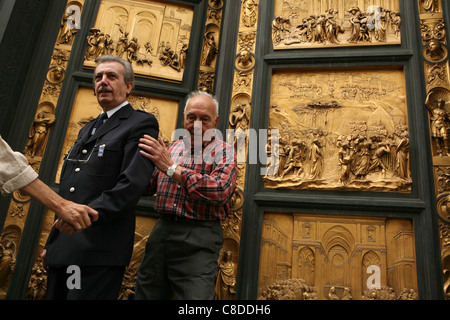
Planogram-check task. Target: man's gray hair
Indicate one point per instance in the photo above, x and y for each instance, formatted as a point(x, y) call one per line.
point(202, 93)
point(128, 74)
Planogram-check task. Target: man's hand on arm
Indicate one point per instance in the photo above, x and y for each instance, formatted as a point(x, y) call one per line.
point(157, 152)
point(79, 216)
point(64, 227)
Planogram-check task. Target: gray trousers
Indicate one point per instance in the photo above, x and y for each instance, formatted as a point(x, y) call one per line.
point(180, 261)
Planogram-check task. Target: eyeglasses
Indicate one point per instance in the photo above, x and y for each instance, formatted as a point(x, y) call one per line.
point(84, 161)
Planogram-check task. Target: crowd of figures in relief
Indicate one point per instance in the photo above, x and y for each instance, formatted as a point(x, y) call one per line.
point(375, 25)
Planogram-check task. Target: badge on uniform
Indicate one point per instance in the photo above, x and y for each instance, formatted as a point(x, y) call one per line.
point(101, 150)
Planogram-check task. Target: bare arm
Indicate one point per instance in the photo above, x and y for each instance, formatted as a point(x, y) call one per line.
point(75, 214)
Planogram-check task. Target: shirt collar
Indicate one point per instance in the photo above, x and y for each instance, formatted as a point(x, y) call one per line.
point(114, 110)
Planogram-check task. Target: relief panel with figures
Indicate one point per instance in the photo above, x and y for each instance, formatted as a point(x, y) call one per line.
point(312, 23)
point(152, 35)
point(340, 129)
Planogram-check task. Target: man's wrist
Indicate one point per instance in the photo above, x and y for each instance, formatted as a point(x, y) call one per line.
point(171, 170)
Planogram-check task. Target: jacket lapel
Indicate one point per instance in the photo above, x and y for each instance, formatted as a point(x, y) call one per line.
point(85, 133)
point(111, 123)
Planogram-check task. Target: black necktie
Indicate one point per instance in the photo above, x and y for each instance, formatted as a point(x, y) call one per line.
point(99, 121)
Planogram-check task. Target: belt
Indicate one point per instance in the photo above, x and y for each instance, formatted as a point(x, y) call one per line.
point(178, 219)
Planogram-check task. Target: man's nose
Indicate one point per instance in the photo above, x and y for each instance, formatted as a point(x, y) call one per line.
point(198, 125)
point(103, 80)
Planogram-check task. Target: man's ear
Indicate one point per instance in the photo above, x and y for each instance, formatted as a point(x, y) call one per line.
point(130, 86)
point(217, 120)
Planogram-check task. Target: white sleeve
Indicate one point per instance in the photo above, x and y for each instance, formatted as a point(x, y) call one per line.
point(15, 172)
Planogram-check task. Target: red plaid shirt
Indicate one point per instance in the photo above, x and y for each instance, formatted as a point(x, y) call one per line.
point(209, 181)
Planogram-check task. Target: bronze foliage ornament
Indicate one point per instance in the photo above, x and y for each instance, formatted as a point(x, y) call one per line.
point(239, 118)
point(435, 53)
point(210, 46)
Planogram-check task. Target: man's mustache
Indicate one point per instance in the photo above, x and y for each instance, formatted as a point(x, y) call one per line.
point(104, 89)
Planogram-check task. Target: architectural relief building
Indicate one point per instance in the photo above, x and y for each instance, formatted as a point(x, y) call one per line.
point(338, 111)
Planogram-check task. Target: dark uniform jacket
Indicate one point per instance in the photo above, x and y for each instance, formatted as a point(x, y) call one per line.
point(106, 172)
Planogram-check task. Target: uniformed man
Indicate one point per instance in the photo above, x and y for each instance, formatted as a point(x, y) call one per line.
point(105, 171)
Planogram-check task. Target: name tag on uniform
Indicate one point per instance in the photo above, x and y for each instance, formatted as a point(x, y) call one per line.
point(101, 150)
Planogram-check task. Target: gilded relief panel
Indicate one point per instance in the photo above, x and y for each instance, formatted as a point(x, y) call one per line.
point(152, 35)
point(311, 23)
point(340, 129)
point(314, 257)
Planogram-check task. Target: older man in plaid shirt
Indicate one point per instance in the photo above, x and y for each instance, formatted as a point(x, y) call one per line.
point(195, 180)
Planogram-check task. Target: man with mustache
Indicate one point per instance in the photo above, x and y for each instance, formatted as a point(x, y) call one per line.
point(105, 171)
